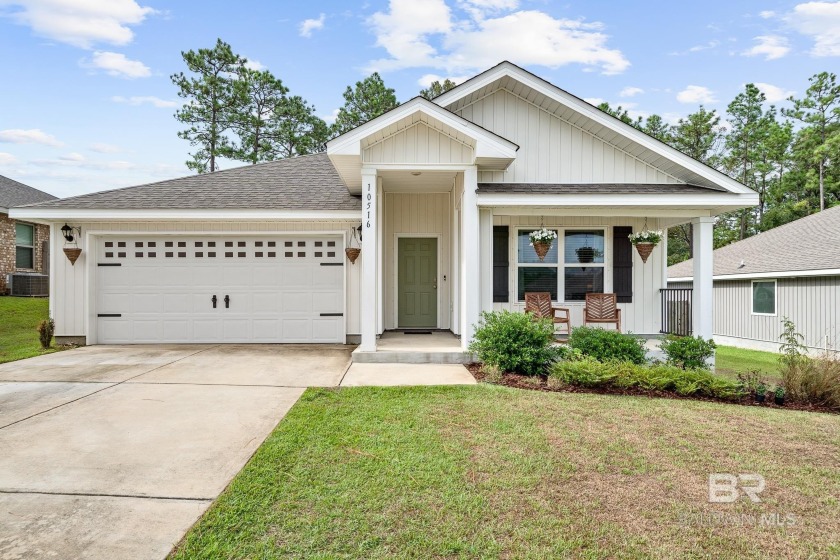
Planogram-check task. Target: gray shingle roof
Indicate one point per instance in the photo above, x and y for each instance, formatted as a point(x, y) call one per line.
point(809, 243)
point(300, 183)
point(602, 188)
point(13, 193)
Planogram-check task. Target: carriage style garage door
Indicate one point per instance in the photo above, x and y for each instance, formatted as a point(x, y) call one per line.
point(219, 289)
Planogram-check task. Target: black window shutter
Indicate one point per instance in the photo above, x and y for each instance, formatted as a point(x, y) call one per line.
point(500, 264)
point(622, 264)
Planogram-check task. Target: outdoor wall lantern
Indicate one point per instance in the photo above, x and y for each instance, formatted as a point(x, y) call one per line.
point(71, 235)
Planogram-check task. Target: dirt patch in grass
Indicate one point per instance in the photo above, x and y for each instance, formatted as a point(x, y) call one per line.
point(540, 383)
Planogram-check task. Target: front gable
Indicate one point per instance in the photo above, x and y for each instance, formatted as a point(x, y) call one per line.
point(552, 149)
point(420, 143)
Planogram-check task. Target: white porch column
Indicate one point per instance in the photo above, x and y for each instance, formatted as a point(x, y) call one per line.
point(470, 255)
point(485, 227)
point(370, 260)
point(664, 249)
point(702, 305)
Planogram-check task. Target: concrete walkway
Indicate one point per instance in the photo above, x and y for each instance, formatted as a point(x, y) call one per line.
point(113, 452)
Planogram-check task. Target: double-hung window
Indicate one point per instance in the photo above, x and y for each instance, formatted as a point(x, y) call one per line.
point(573, 267)
point(764, 297)
point(24, 245)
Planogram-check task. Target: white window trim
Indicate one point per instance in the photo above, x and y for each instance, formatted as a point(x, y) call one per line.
point(775, 298)
point(30, 247)
point(561, 278)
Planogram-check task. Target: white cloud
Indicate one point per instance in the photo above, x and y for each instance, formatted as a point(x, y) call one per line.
point(72, 157)
point(630, 91)
point(30, 136)
point(426, 79)
point(770, 47)
point(482, 34)
point(594, 100)
point(773, 93)
point(696, 94)
point(7, 159)
point(116, 64)
point(81, 23)
point(767, 14)
point(254, 65)
point(79, 161)
point(307, 26)
point(145, 100)
point(329, 119)
point(821, 22)
point(103, 148)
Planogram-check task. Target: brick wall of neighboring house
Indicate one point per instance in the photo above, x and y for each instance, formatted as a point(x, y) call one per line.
point(7, 249)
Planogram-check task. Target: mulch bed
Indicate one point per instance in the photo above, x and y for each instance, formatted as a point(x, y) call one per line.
point(539, 383)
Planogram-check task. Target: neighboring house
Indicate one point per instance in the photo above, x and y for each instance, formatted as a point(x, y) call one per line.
point(24, 245)
point(790, 271)
point(442, 195)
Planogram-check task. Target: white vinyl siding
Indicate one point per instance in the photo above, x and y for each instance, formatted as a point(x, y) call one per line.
point(552, 150)
point(642, 316)
point(418, 144)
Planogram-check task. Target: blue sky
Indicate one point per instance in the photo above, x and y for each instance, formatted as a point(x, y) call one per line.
point(88, 103)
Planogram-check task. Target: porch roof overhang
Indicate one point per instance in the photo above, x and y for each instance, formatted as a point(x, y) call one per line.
point(490, 151)
point(674, 205)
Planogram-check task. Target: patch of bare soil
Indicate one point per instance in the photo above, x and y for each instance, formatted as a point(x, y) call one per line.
point(540, 383)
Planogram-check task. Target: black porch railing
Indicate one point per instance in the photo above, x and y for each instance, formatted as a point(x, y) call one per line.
point(676, 311)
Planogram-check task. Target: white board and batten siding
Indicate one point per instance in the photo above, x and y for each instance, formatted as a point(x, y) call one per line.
point(416, 215)
point(643, 315)
point(553, 150)
point(418, 144)
point(75, 301)
point(812, 303)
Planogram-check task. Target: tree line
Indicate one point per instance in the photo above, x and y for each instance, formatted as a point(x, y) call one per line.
point(789, 156)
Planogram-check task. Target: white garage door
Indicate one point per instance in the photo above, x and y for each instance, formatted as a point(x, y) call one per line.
point(219, 289)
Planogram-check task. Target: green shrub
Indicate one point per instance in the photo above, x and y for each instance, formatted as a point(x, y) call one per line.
point(688, 352)
point(607, 346)
point(660, 377)
point(46, 329)
point(514, 342)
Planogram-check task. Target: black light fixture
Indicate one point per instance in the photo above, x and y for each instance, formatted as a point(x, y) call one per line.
point(358, 231)
point(67, 232)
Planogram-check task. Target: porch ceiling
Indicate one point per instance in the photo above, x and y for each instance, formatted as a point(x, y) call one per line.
point(427, 181)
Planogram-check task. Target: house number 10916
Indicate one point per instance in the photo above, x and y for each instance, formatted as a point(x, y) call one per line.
point(369, 198)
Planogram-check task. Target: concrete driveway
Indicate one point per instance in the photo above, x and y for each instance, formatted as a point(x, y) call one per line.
point(115, 451)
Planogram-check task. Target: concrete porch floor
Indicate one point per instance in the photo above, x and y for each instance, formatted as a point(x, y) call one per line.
point(439, 347)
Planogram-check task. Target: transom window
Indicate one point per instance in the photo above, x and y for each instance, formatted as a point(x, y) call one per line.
point(581, 270)
point(764, 297)
point(24, 246)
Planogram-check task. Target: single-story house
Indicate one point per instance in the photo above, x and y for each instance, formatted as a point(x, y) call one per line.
point(439, 196)
point(790, 271)
point(24, 246)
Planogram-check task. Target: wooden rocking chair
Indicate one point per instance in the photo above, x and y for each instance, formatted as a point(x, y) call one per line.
point(602, 308)
point(539, 305)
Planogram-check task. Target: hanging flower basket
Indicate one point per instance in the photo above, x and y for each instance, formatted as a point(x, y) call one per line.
point(352, 254)
point(72, 254)
point(541, 241)
point(645, 241)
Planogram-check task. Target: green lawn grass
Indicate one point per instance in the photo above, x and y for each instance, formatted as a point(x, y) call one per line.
point(492, 472)
point(731, 361)
point(19, 318)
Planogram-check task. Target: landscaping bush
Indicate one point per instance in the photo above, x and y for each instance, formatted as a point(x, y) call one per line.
point(814, 381)
point(46, 329)
point(514, 342)
point(688, 352)
point(606, 346)
point(625, 375)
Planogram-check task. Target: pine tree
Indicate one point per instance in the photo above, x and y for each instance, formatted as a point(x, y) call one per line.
point(366, 101)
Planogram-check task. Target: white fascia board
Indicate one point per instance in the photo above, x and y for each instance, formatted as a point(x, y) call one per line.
point(550, 90)
point(785, 274)
point(181, 215)
point(707, 201)
point(350, 142)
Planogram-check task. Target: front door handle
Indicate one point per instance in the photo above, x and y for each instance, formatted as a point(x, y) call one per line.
point(227, 302)
point(214, 299)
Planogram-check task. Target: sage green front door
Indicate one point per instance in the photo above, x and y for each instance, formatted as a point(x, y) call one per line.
point(417, 283)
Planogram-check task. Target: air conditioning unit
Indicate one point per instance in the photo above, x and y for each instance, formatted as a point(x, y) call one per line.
point(28, 285)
